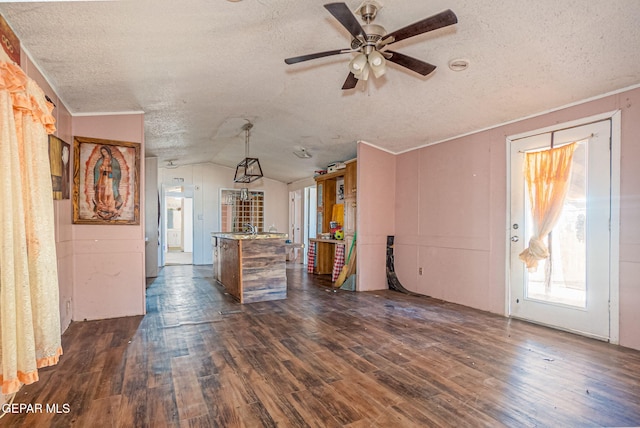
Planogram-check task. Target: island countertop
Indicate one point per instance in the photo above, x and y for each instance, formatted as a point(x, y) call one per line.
point(249, 235)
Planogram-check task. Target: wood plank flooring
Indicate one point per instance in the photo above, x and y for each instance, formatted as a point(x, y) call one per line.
point(326, 359)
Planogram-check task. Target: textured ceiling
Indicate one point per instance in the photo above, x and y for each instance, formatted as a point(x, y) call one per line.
point(199, 68)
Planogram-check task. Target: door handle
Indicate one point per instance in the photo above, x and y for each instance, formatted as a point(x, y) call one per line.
point(515, 239)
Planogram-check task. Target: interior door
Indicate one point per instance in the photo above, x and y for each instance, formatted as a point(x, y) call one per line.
point(570, 289)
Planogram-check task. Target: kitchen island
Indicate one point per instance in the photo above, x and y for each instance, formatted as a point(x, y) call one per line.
point(251, 267)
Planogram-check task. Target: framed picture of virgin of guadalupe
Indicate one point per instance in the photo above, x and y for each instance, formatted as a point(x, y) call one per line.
point(106, 181)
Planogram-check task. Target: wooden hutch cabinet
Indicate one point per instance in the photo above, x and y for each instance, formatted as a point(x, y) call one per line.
point(329, 194)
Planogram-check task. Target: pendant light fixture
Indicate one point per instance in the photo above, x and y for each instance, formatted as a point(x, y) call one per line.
point(244, 194)
point(248, 170)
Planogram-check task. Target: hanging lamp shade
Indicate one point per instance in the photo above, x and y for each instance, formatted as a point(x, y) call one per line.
point(358, 63)
point(377, 62)
point(248, 170)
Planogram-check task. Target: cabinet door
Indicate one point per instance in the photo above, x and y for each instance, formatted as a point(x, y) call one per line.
point(230, 267)
point(329, 202)
point(216, 258)
point(320, 188)
point(350, 211)
point(350, 179)
point(325, 252)
point(319, 223)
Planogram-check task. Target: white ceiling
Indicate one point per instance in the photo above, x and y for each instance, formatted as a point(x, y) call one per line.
point(199, 68)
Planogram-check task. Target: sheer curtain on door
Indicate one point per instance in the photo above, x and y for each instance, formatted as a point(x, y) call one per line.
point(29, 306)
point(547, 174)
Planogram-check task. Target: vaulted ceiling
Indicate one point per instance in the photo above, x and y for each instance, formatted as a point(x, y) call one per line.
point(199, 69)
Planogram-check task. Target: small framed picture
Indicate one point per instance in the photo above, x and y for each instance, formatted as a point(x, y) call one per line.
point(59, 157)
point(106, 181)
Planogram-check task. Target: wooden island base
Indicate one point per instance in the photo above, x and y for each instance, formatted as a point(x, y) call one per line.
point(252, 268)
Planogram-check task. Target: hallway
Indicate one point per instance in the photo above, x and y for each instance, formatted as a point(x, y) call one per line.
point(172, 258)
point(326, 358)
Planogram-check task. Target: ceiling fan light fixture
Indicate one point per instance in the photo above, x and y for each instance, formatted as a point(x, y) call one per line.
point(378, 71)
point(376, 59)
point(364, 74)
point(358, 64)
point(377, 62)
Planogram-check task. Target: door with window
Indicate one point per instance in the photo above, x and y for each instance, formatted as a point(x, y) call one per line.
point(570, 288)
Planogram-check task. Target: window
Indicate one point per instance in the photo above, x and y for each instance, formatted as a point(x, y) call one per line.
point(239, 207)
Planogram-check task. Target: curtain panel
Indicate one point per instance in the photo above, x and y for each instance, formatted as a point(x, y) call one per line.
point(29, 302)
point(547, 175)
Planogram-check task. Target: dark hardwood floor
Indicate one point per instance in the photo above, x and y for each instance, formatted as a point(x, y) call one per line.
point(326, 359)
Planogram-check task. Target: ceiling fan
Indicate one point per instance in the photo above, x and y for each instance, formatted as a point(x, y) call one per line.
point(370, 41)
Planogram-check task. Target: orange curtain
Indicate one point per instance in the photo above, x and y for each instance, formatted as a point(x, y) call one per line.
point(29, 303)
point(547, 175)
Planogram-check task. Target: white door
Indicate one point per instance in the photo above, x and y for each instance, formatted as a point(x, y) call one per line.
point(570, 290)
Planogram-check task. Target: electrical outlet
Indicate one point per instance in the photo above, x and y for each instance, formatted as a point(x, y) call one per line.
point(419, 271)
point(68, 306)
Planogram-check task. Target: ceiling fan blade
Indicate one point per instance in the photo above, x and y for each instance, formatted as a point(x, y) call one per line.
point(341, 12)
point(302, 58)
point(411, 63)
point(351, 82)
point(443, 19)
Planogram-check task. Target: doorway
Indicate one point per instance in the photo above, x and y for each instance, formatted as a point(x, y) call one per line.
point(296, 226)
point(572, 288)
point(311, 218)
point(178, 210)
point(302, 223)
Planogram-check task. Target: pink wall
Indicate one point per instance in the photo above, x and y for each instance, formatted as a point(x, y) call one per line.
point(100, 268)
point(376, 215)
point(109, 275)
point(451, 213)
point(444, 227)
point(629, 103)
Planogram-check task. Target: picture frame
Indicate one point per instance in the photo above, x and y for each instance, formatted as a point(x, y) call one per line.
point(106, 182)
point(59, 162)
